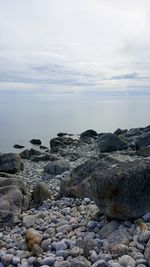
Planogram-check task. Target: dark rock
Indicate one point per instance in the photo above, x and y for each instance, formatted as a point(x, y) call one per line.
point(40, 193)
point(111, 142)
point(146, 129)
point(60, 142)
point(18, 146)
point(55, 168)
point(43, 147)
point(11, 201)
point(144, 151)
point(10, 163)
point(133, 132)
point(61, 134)
point(120, 131)
point(112, 189)
point(143, 140)
point(14, 197)
point(27, 153)
point(42, 157)
point(77, 184)
point(36, 142)
point(88, 133)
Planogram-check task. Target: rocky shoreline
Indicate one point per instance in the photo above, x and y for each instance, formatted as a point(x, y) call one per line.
point(48, 215)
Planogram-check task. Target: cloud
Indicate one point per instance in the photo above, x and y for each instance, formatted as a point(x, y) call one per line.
point(94, 43)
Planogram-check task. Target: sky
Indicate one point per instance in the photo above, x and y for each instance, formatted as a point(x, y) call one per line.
point(75, 45)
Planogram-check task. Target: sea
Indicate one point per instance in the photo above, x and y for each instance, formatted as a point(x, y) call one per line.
point(26, 114)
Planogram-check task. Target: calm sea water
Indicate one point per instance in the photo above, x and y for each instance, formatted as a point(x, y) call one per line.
point(27, 115)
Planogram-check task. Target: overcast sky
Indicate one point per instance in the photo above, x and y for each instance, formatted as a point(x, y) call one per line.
point(75, 45)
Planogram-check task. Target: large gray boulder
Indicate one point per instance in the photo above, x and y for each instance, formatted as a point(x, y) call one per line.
point(14, 197)
point(121, 190)
point(10, 163)
point(77, 183)
point(111, 142)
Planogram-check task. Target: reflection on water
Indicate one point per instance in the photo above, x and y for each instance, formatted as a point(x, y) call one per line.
point(25, 116)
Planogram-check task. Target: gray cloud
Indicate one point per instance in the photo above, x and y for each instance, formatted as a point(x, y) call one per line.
point(94, 43)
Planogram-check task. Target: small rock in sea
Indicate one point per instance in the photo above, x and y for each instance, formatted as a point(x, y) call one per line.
point(61, 134)
point(18, 146)
point(36, 142)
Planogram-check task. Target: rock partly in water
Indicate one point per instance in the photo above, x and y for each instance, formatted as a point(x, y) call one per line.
point(113, 192)
point(36, 142)
point(111, 142)
point(10, 163)
point(88, 133)
point(18, 146)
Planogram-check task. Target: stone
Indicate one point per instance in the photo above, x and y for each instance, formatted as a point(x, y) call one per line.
point(41, 157)
point(36, 142)
point(87, 244)
point(11, 200)
point(88, 133)
point(61, 134)
point(37, 250)
point(27, 153)
point(126, 260)
point(60, 142)
point(48, 261)
point(147, 255)
point(55, 168)
point(144, 151)
point(29, 221)
point(74, 252)
point(100, 263)
point(18, 146)
point(32, 238)
point(40, 193)
point(146, 217)
point(112, 189)
point(46, 244)
point(120, 131)
point(80, 261)
point(143, 140)
point(108, 229)
point(59, 245)
point(77, 184)
point(10, 163)
point(6, 259)
point(61, 264)
point(15, 260)
point(110, 142)
point(120, 249)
